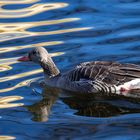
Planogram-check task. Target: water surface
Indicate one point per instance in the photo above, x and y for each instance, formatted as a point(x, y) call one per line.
point(73, 31)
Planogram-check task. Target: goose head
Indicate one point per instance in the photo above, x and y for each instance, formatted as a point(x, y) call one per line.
point(41, 56)
point(37, 55)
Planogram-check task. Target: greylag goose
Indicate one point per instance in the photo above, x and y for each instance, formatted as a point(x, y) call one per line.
point(88, 77)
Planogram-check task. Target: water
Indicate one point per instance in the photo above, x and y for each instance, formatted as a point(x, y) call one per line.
point(73, 31)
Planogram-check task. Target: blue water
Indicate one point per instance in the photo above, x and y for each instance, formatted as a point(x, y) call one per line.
point(73, 31)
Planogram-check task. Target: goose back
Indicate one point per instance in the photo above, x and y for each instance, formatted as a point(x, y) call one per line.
point(101, 73)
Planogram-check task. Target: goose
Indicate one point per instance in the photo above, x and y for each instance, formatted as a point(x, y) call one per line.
point(87, 77)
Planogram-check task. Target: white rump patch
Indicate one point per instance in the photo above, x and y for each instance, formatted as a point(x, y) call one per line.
point(133, 84)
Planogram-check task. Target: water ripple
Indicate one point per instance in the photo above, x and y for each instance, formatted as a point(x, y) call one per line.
point(7, 138)
point(5, 101)
point(5, 68)
point(82, 31)
point(30, 11)
point(19, 30)
point(15, 48)
point(17, 1)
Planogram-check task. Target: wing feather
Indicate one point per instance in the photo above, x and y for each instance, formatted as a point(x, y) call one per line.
point(112, 73)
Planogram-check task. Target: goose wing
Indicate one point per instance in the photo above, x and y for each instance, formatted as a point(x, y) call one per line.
point(111, 73)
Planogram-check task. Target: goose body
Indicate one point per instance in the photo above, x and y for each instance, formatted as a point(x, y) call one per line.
point(89, 77)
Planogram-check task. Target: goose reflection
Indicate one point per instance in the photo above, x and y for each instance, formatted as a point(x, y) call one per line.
point(41, 109)
point(85, 105)
point(100, 106)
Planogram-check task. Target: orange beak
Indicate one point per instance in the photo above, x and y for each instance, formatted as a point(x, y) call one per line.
point(24, 58)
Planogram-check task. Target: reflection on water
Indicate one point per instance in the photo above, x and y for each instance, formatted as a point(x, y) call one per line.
point(10, 31)
point(15, 35)
point(8, 78)
point(17, 1)
point(96, 105)
point(14, 48)
point(7, 138)
point(24, 26)
point(97, 108)
point(21, 84)
point(41, 110)
point(4, 68)
point(5, 101)
point(72, 32)
point(30, 11)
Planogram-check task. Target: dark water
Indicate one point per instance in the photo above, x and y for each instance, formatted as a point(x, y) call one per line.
point(73, 31)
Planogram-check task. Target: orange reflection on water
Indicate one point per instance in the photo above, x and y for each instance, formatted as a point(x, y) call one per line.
point(18, 30)
point(63, 31)
point(4, 68)
point(5, 102)
point(21, 84)
point(9, 61)
point(17, 1)
point(14, 48)
point(21, 34)
point(22, 26)
point(7, 138)
point(29, 11)
point(16, 76)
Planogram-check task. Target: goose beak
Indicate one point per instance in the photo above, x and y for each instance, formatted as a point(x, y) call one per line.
point(23, 59)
